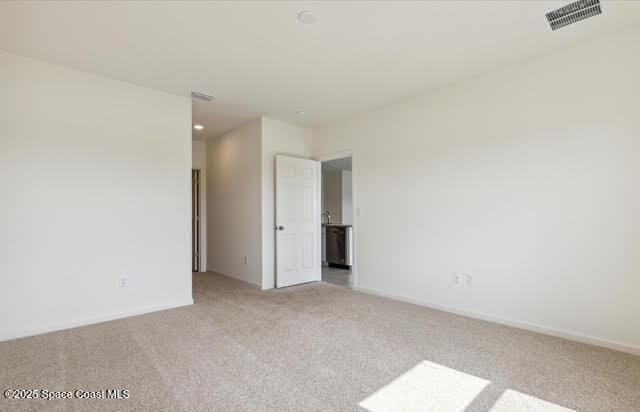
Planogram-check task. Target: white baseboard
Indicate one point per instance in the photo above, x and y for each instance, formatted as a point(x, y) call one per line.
point(257, 285)
point(92, 320)
point(569, 335)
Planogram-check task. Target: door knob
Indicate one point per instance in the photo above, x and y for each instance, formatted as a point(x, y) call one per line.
point(280, 228)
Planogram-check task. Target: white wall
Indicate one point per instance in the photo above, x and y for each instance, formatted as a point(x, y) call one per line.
point(95, 184)
point(277, 138)
point(526, 178)
point(347, 197)
point(337, 196)
point(199, 154)
point(233, 203)
point(332, 195)
point(199, 161)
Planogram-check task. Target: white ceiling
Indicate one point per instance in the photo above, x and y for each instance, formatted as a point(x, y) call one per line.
point(256, 58)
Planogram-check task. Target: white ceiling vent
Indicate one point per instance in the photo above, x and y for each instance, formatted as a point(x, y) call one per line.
point(201, 96)
point(574, 12)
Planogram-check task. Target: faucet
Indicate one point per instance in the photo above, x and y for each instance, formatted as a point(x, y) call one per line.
point(328, 216)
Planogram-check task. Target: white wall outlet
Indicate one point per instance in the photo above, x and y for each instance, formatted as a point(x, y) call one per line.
point(468, 279)
point(123, 281)
point(358, 211)
point(457, 278)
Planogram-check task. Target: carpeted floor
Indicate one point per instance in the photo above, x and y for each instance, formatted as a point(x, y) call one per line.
point(314, 347)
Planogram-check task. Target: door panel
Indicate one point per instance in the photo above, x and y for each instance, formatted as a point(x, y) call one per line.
point(307, 202)
point(297, 221)
point(308, 248)
point(289, 246)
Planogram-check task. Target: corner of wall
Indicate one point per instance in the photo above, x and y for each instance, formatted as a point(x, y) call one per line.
point(261, 280)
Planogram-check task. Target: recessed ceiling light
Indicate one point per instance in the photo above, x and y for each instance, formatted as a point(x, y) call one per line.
point(306, 17)
point(300, 113)
point(198, 126)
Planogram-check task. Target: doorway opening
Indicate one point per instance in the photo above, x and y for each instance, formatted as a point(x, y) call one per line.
point(337, 221)
point(195, 220)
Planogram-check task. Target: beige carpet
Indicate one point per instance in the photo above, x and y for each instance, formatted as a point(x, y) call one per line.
point(315, 347)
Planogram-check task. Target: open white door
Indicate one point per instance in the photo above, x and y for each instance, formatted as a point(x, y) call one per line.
point(297, 221)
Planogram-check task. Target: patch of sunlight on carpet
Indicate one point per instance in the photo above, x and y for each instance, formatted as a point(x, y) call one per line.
point(427, 386)
point(512, 400)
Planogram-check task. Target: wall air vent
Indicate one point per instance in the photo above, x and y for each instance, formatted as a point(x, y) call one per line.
point(201, 96)
point(574, 12)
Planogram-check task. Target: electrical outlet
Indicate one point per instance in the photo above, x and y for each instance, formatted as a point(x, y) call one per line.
point(457, 278)
point(245, 260)
point(123, 281)
point(468, 279)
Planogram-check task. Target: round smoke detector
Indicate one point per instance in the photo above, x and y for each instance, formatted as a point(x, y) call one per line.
point(306, 17)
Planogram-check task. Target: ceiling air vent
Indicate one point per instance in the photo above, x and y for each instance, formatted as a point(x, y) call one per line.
point(574, 12)
point(201, 96)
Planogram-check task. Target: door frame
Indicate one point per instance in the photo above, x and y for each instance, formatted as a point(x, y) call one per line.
point(196, 246)
point(354, 199)
point(202, 226)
